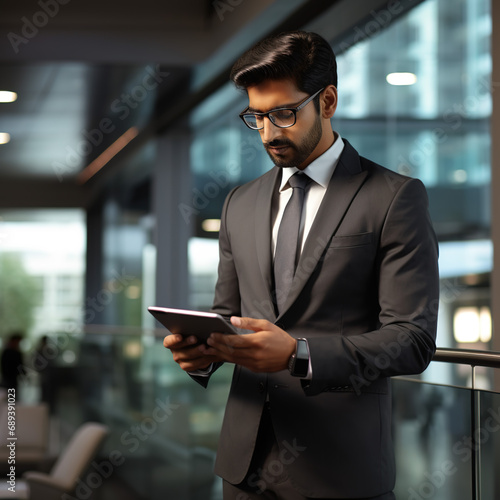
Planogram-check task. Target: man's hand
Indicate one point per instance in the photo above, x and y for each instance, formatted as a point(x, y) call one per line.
point(188, 353)
point(266, 350)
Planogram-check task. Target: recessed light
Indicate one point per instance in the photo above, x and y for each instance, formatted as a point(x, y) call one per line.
point(7, 96)
point(211, 225)
point(4, 137)
point(460, 176)
point(401, 78)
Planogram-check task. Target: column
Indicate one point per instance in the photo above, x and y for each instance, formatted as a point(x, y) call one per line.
point(171, 193)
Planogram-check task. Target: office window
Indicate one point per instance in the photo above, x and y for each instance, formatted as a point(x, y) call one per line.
point(42, 264)
point(436, 129)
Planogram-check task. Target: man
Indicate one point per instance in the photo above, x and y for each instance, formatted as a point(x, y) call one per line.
point(11, 362)
point(309, 412)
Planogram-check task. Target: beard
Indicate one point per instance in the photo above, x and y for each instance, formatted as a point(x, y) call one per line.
point(297, 153)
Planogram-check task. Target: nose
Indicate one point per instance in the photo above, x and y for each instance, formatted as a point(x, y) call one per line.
point(269, 132)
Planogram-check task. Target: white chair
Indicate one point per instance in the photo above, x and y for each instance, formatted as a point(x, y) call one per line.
point(68, 469)
point(32, 436)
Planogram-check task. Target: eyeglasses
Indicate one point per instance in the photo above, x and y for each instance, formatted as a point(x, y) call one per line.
point(280, 117)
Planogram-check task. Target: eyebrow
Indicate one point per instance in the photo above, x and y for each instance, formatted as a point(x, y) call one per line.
point(292, 105)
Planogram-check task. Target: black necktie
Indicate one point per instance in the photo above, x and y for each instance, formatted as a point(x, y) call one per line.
point(287, 243)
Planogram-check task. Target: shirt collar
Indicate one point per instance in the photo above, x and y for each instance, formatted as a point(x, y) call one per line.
point(321, 169)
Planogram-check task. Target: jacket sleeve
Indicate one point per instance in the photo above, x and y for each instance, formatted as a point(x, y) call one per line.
point(406, 271)
point(227, 301)
point(227, 297)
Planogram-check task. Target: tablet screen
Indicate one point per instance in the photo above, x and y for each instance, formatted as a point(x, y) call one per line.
point(187, 322)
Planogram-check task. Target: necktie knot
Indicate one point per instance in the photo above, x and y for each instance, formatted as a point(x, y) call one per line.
point(299, 180)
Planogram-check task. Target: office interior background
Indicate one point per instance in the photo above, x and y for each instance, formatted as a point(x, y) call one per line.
point(115, 159)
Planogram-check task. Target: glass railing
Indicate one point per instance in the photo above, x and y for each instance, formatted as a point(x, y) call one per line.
point(446, 436)
point(165, 427)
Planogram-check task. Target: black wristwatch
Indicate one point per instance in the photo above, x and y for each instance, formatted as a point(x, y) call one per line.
point(298, 364)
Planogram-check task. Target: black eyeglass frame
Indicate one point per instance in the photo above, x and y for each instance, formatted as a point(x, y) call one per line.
point(269, 116)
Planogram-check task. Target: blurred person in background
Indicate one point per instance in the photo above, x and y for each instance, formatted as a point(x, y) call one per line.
point(12, 362)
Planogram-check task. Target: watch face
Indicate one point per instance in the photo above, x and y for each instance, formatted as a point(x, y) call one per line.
point(301, 368)
point(299, 362)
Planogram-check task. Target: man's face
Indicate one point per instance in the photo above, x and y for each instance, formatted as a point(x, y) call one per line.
point(296, 146)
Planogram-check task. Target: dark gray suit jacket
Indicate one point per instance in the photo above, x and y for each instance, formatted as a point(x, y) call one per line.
point(365, 295)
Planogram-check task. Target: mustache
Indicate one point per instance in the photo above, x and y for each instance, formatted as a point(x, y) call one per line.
point(276, 143)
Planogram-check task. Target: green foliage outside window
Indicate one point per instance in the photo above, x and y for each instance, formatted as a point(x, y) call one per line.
point(19, 295)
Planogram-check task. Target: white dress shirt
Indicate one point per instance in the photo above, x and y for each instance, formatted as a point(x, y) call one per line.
point(320, 171)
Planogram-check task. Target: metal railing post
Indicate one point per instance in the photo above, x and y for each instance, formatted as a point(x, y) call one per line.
point(476, 438)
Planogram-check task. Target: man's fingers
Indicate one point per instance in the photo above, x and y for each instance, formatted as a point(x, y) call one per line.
point(250, 323)
point(197, 364)
point(223, 341)
point(189, 354)
point(171, 340)
point(227, 353)
point(176, 341)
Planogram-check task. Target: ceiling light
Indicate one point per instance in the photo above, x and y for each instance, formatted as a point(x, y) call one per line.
point(211, 225)
point(472, 324)
point(460, 176)
point(466, 324)
point(401, 78)
point(4, 137)
point(7, 96)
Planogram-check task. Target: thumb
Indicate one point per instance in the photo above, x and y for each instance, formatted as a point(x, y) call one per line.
point(249, 323)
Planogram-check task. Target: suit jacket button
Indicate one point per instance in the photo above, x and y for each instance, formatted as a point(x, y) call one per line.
point(262, 386)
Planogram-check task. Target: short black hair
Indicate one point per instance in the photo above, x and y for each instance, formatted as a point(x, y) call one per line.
point(303, 57)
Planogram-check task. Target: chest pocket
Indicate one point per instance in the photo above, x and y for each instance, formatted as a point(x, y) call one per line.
point(351, 240)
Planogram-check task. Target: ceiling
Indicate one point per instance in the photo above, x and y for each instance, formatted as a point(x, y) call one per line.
point(91, 75)
point(87, 71)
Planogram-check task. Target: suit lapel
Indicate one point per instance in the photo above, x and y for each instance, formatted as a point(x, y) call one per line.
point(263, 226)
point(344, 184)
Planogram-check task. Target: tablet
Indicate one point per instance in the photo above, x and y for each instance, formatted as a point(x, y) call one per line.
point(197, 323)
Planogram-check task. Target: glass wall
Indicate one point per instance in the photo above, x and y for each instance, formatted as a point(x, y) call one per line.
point(432, 425)
point(127, 268)
point(42, 263)
point(488, 439)
point(164, 427)
point(416, 98)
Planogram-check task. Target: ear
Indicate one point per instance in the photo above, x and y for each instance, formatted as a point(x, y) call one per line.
point(329, 101)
